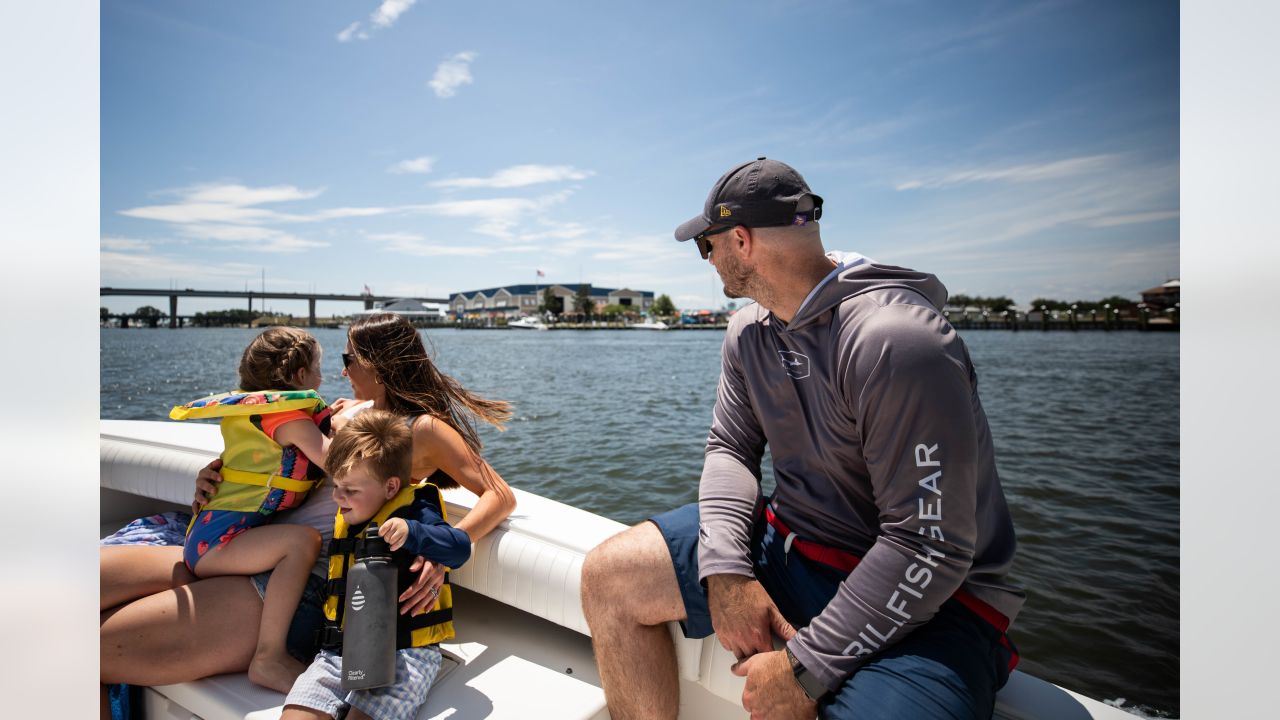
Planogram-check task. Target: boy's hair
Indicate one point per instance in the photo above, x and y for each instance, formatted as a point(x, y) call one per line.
point(378, 438)
point(273, 359)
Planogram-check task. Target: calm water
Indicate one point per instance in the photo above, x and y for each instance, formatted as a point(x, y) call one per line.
point(1085, 427)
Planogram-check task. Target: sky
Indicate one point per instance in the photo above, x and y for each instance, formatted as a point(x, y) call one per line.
point(424, 148)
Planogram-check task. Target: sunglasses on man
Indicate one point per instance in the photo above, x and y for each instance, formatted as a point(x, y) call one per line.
point(704, 245)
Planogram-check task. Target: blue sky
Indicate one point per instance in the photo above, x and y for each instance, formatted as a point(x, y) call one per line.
point(1015, 148)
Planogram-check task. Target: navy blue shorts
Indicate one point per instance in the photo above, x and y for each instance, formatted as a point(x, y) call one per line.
point(950, 667)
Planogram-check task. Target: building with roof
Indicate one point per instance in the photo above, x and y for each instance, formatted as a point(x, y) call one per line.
point(417, 311)
point(512, 301)
point(1163, 296)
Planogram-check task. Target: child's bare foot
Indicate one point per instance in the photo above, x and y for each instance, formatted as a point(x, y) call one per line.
point(275, 671)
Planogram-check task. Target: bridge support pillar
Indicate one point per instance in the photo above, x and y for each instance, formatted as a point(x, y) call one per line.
point(250, 303)
point(311, 312)
point(173, 311)
point(368, 304)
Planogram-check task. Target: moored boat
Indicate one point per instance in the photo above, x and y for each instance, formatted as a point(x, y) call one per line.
point(527, 323)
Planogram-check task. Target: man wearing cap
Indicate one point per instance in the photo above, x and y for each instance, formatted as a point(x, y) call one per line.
point(887, 541)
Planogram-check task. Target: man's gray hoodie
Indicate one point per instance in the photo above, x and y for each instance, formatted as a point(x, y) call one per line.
point(869, 404)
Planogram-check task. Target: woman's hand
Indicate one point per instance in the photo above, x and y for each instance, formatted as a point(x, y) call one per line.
point(422, 593)
point(206, 485)
point(343, 409)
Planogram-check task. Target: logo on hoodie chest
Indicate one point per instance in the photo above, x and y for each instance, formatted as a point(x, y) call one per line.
point(796, 365)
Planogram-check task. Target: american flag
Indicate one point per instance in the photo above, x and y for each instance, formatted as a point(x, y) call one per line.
point(541, 274)
point(367, 291)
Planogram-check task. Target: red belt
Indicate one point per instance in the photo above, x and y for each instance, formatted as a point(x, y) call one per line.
point(847, 561)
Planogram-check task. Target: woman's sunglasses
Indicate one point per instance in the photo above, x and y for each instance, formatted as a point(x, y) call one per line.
point(347, 359)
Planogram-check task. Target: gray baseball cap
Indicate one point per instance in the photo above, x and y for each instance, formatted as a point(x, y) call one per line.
point(759, 193)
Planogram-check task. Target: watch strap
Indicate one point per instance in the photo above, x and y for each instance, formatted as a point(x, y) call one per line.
point(809, 683)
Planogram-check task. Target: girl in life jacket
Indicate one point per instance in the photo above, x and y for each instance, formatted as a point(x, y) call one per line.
point(274, 430)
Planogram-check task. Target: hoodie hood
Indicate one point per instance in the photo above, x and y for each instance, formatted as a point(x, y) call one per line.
point(855, 275)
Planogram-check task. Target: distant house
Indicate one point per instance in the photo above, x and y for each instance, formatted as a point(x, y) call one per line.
point(1163, 296)
point(512, 301)
point(417, 311)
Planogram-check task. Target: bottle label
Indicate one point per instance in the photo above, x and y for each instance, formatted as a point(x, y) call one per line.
point(357, 599)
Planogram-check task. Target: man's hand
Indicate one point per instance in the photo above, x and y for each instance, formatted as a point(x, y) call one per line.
point(743, 616)
point(422, 593)
point(206, 485)
point(395, 531)
point(772, 692)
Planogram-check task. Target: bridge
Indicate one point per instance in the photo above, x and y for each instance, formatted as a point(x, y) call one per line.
point(311, 298)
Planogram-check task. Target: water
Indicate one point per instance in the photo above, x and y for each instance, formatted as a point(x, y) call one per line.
point(1085, 427)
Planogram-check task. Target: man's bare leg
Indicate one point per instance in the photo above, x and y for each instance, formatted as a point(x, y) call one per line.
point(629, 594)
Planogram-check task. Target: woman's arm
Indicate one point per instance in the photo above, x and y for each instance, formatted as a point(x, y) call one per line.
point(440, 445)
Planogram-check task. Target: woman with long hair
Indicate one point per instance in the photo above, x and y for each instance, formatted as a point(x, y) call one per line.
point(161, 615)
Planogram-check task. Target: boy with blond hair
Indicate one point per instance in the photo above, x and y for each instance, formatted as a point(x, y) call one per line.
point(370, 460)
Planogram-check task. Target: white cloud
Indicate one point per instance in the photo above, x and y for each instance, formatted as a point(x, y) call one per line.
point(1131, 219)
point(120, 243)
point(230, 203)
point(452, 73)
point(390, 11)
point(117, 266)
point(241, 195)
point(498, 216)
point(350, 32)
point(384, 17)
point(518, 176)
point(420, 166)
point(252, 237)
point(1012, 174)
point(410, 244)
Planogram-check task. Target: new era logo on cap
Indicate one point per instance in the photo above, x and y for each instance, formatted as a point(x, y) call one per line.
point(760, 193)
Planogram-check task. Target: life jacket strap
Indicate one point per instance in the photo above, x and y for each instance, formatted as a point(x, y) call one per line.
point(329, 637)
point(846, 561)
point(268, 480)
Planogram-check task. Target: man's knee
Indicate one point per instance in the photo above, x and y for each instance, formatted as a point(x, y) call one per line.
point(614, 569)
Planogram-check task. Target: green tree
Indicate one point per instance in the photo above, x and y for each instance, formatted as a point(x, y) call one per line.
point(1116, 301)
point(1050, 304)
point(663, 307)
point(151, 314)
point(104, 315)
point(582, 303)
point(550, 302)
point(613, 311)
point(961, 300)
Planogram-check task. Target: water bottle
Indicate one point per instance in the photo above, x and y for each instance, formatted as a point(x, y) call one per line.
point(369, 621)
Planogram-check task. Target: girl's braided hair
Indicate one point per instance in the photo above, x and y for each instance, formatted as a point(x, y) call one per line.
point(273, 359)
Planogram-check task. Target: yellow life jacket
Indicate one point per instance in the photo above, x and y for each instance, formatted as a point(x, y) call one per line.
point(426, 628)
point(252, 463)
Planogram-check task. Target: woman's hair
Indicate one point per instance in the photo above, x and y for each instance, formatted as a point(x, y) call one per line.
point(392, 348)
point(378, 438)
point(273, 359)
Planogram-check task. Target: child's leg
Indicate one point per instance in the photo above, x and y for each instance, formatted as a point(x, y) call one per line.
point(416, 670)
point(291, 550)
point(129, 572)
point(297, 712)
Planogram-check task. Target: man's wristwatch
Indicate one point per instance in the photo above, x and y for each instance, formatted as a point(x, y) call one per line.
point(809, 682)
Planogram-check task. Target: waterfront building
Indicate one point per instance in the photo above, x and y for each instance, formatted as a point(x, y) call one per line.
point(417, 311)
point(1163, 296)
point(513, 301)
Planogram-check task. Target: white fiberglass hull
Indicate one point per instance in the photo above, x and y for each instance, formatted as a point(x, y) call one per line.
point(523, 648)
